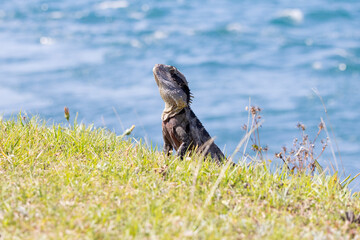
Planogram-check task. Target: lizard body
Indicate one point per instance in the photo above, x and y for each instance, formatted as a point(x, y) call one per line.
point(181, 129)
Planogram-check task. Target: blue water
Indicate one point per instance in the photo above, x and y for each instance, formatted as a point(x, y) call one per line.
point(96, 57)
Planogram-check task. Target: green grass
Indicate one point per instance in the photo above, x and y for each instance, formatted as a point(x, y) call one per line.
point(86, 183)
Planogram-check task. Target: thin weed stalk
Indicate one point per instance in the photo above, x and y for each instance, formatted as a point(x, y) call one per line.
point(246, 128)
point(332, 131)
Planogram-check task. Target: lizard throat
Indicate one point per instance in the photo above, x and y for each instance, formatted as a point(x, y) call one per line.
point(172, 110)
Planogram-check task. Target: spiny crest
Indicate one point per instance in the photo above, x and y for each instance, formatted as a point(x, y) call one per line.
point(180, 80)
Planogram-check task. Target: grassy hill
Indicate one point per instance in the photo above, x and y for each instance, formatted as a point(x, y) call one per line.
point(84, 183)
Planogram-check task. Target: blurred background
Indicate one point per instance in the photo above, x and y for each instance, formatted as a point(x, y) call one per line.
point(96, 57)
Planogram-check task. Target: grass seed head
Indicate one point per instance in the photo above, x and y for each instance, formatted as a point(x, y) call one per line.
point(67, 113)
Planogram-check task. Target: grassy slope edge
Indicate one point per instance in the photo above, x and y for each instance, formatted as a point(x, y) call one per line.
point(85, 183)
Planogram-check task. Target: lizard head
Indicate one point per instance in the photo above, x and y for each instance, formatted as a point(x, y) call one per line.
point(173, 87)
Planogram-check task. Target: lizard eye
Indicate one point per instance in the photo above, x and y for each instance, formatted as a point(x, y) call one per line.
point(172, 70)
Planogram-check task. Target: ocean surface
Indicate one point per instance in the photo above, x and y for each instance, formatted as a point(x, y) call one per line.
point(96, 57)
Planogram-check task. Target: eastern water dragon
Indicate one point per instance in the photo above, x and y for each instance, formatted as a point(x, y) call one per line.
point(181, 129)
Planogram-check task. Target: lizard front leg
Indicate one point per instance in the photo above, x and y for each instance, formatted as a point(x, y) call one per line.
point(167, 144)
point(184, 139)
